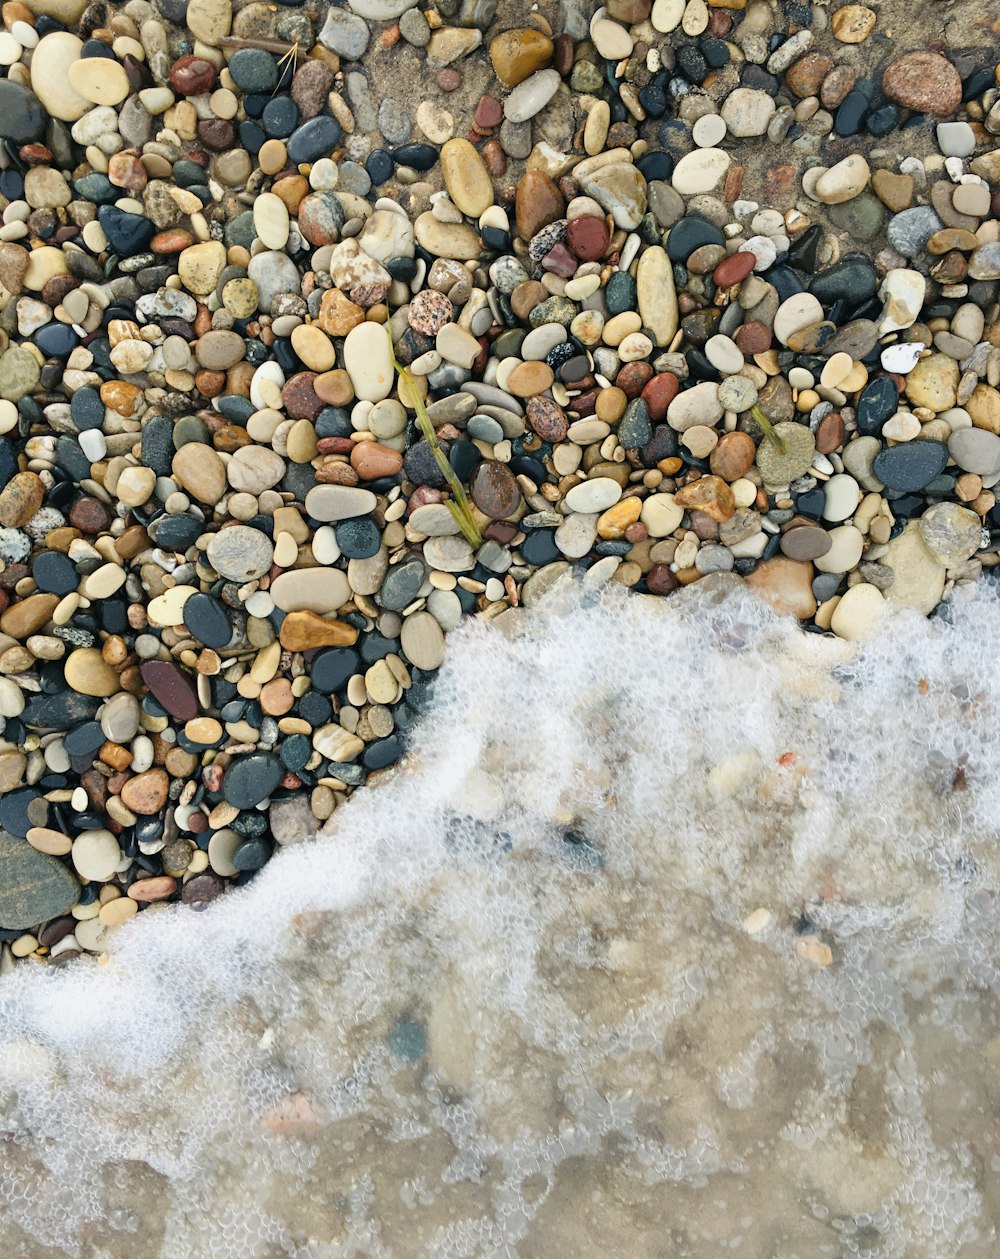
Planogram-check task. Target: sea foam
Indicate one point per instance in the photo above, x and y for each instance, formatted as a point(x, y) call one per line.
point(557, 986)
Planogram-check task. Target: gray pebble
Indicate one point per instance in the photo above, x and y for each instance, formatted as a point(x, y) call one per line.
point(354, 178)
point(394, 122)
point(910, 230)
point(414, 29)
point(345, 33)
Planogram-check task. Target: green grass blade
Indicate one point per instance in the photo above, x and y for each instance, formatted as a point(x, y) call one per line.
point(768, 429)
point(460, 507)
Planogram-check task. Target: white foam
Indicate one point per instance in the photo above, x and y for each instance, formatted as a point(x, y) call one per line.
point(605, 1060)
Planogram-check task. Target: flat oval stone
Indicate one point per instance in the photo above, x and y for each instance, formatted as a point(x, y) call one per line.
point(331, 669)
point(22, 116)
point(422, 640)
point(402, 583)
point(532, 95)
point(172, 688)
point(240, 553)
point(310, 590)
point(250, 779)
point(805, 542)
point(51, 59)
point(912, 466)
point(690, 234)
point(34, 887)
point(368, 360)
point(595, 495)
point(339, 502)
point(466, 177)
point(495, 490)
point(207, 620)
point(878, 401)
point(976, 450)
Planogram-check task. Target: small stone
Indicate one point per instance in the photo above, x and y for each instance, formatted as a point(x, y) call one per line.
point(200, 471)
point(519, 53)
point(458, 241)
point(918, 577)
point(338, 314)
point(319, 590)
point(912, 466)
point(494, 490)
point(656, 295)
point(786, 585)
point(368, 360)
point(933, 383)
point(923, 81)
point(853, 23)
point(304, 631)
point(344, 33)
point(96, 856)
point(87, 673)
point(249, 780)
point(952, 534)
point(51, 59)
point(240, 553)
point(422, 641)
point(709, 494)
point(538, 203)
point(902, 292)
point(146, 793)
point(844, 181)
point(859, 610)
point(746, 113)
point(531, 95)
point(34, 887)
point(700, 171)
point(593, 496)
point(466, 178)
point(975, 450)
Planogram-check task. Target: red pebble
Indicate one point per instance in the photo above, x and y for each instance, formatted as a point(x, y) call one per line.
point(588, 237)
point(334, 446)
point(633, 378)
point(489, 112)
point(192, 76)
point(660, 580)
point(563, 54)
point(733, 269)
point(560, 261)
point(659, 393)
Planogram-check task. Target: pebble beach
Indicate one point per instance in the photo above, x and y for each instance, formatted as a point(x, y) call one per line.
point(299, 372)
point(328, 331)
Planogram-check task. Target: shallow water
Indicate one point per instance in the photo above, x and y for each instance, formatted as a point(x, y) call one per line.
point(521, 1000)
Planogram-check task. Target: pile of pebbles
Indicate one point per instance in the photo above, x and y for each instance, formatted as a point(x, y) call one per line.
point(228, 557)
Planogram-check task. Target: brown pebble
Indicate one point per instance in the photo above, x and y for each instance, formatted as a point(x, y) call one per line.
point(709, 494)
point(146, 793)
point(546, 418)
point(733, 456)
point(20, 498)
point(830, 433)
point(661, 581)
point(154, 889)
point(372, 460)
point(495, 490)
point(172, 687)
point(538, 203)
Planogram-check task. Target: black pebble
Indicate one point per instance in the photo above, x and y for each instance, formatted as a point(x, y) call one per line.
point(54, 573)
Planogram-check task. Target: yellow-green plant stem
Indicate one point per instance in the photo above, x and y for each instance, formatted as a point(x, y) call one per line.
point(767, 428)
point(459, 506)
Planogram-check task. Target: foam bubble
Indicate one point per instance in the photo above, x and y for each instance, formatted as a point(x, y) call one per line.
point(556, 988)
